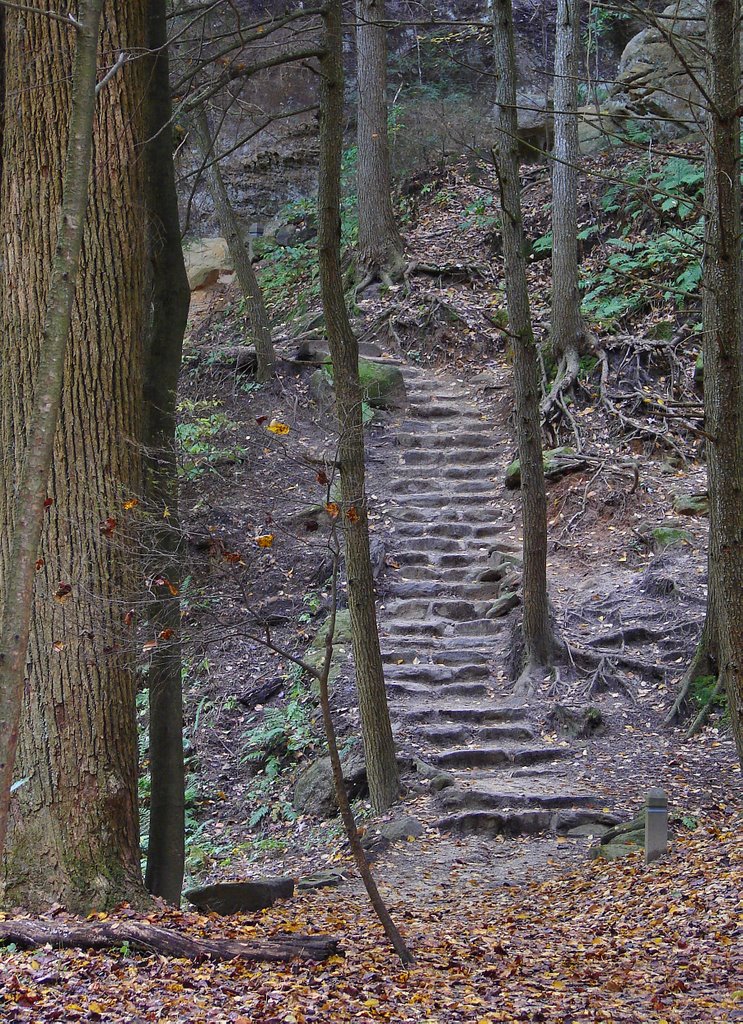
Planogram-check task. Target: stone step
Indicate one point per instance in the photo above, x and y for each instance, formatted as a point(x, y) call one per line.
point(437, 588)
point(434, 573)
point(431, 409)
point(424, 499)
point(433, 545)
point(482, 798)
point(459, 456)
point(444, 735)
point(496, 756)
point(458, 531)
point(405, 689)
point(435, 674)
point(497, 823)
point(424, 608)
point(470, 517)
point(475, 713)
point(447, 442)
point(441, 651)
point(428, 485)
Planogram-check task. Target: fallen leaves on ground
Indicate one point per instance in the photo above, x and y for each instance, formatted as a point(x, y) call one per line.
point(623, 943)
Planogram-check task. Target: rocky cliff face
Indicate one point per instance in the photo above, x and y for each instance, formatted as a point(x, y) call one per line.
point(655, 80)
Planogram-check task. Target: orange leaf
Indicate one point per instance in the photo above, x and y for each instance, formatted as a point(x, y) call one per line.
point(129, 617)
point(233, 557)
point(150, 645)
point(39, 564)
point(58, 646)
point(174, 591)
point(166, 634)
point(352, 515)
point(62, 592)
point(277, 427)
point(332, 509)
point(265, 541)
point(130, 504)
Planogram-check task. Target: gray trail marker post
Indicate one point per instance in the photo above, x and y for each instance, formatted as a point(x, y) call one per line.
point(656, 825)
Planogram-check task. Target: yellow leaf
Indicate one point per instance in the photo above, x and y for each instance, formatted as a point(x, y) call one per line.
point(130, 504)
point(277, 427)
point(370, 1003)
point(166, 513)
point(332, 509)
point(265, 540)
point(58, 645)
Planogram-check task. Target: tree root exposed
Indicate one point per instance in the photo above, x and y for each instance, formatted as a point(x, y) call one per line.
point(165, 941)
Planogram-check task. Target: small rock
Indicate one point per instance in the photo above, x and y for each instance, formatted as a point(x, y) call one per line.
point(443, 780)
point(240, 897)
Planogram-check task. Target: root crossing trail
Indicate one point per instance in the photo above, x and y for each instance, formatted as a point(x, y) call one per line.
point(444, 635)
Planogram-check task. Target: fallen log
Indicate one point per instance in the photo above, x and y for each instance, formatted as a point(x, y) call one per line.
point(108, 934)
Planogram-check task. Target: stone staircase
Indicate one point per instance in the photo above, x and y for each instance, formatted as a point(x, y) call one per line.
point(441, 641)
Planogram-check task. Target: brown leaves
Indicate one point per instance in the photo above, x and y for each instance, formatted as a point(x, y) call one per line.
point(108, 526)
point(62, 592)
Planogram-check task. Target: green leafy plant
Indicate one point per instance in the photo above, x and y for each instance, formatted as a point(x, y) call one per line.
point(196, 435)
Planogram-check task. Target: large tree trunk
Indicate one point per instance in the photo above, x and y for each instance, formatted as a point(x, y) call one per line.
point(537, 627)
point(254, 306)
point(723, 351)
point(25, 501)
point(74, 834)
point(379, 747)
point(380, 245)
point(569, 335)
point(170, 301)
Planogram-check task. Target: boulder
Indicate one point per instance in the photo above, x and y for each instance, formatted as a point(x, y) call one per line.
point(240, 897)
point(314, 793)
point(611, 851)
point(691, 504)
point(401, 828)
point(557, 462)
point(382, 385)
point(320, 880)
point(652, 85)
point(505, 604)
point(315, 653)
point(577, 722)
point(206, 259)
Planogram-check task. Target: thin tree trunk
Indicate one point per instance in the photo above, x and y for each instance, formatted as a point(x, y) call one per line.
point(73, 832)
point(170, 302)
point(537, 627)
point(569, 335)
point(26, 507)
point(255, 307)
point(722, 313)
point(379, 746)
point(380, 246)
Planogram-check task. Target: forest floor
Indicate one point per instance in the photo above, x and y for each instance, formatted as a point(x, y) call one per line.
point(516, 927)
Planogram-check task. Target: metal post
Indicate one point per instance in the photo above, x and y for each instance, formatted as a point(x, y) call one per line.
point(656, 825)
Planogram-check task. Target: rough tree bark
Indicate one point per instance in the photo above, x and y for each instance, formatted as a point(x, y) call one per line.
point(539, 644)
point(722, 314)
point(379, 746)
point(380, 249)
point(570, 338)
point(255, 308)
point(24, 487)
point(73, 835)
point(170, 302)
